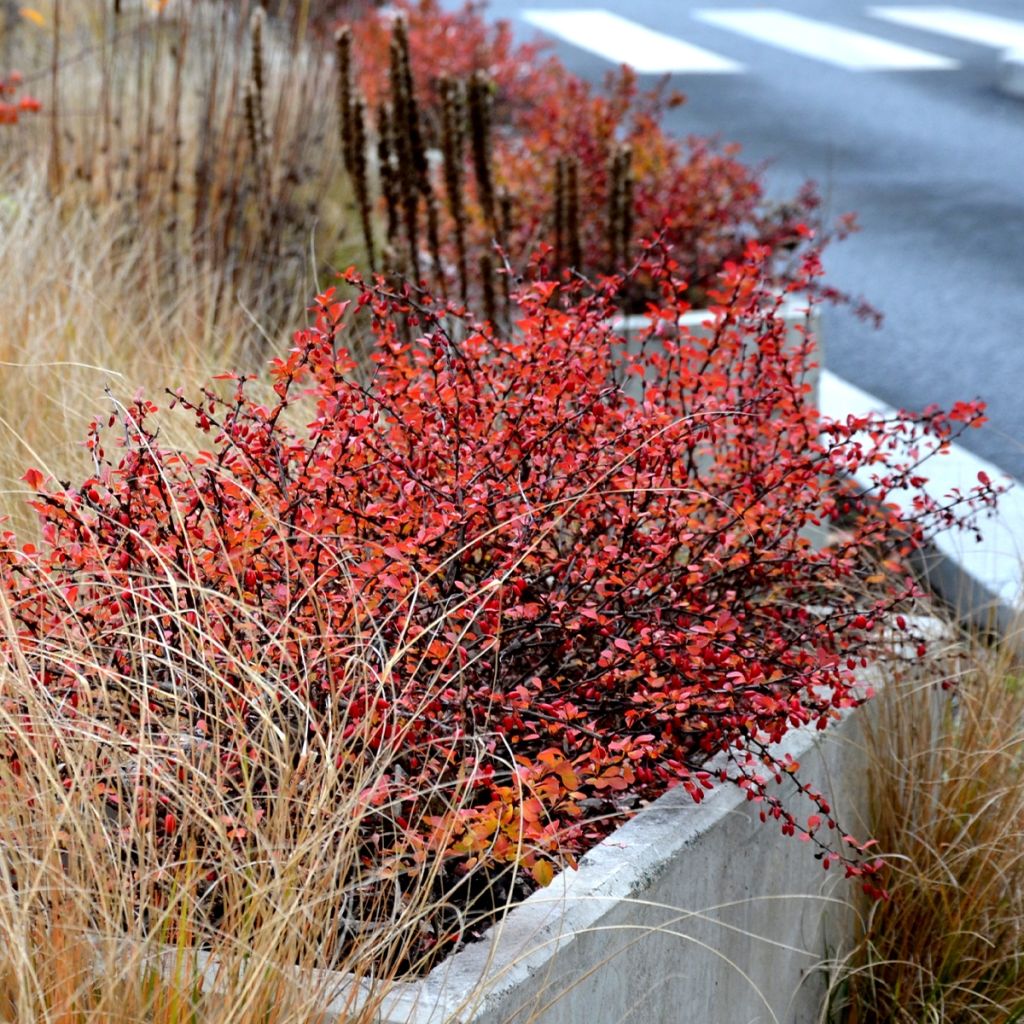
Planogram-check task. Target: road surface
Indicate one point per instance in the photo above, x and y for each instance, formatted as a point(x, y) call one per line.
point(894, 110)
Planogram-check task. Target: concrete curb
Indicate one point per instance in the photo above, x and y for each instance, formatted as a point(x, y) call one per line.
point(982, 582)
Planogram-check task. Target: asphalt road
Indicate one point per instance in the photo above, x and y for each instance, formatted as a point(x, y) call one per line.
point(931, 158)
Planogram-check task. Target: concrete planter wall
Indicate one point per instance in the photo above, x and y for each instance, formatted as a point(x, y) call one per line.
point(793, 313)
point(687, 913)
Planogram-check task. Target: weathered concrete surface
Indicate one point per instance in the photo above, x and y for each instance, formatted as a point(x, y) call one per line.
point(688, 913)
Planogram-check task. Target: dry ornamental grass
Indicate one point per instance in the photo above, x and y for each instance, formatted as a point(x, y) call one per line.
point(946, 756)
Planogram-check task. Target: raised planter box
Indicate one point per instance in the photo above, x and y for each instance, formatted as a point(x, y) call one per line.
point(689, 912)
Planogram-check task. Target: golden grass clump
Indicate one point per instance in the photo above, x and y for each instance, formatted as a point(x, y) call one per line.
point(144, 876)
point(80, 316)
point(201, 125)
point(946, 771)
point(150, 232)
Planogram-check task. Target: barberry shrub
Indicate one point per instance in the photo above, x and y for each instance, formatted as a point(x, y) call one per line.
point(549, 596)
point(475, 139)
point(12, 106)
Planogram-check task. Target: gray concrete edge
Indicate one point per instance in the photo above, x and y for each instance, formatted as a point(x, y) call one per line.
point(1010, 76)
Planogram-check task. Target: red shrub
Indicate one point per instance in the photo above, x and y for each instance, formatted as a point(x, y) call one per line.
point(584, 170)
point(453, 44)
point(696, 195)
point(11, 109)
point(557, 592)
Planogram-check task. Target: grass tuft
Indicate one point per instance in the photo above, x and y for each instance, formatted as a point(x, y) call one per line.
point(144, 878)
point(946, 756)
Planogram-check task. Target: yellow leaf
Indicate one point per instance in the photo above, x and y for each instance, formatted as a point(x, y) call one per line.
point(31, 14)
point(543, 872)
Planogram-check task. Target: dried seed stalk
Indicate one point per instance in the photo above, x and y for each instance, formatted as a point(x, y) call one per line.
point(258, 70)
point(388, 171)
point(480, 118)
point(402, 119)
point(55, 166)
point(505, 222)
point(177, 89)
point(620, 207)
point(453, 143)
point(559, 213)
point(252, 130)
point(409, 114)
point(572, 213)
point(506, 207)
point(343, 53)
point(627, 202)
point(360, 175)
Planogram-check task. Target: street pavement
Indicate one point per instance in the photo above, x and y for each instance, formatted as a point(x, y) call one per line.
point(894, 111)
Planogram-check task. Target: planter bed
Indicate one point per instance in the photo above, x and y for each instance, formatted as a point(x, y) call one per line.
point(696, 906)
point(686, 905)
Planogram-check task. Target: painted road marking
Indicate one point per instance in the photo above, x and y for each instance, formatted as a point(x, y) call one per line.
point(973, 26)
point(992, 570)
point(843, 47)
point(625, 42)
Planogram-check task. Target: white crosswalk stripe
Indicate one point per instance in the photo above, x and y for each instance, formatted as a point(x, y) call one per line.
point(622, 41)
point(832, 44)
point(971, 26)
